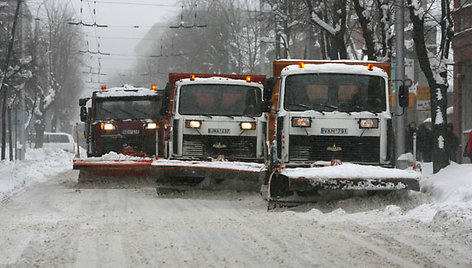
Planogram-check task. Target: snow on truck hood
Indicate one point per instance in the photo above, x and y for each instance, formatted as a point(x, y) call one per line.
point(217, 80)
point(333, 68)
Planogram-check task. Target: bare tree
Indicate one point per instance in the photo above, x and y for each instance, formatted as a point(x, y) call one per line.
point(433, 65)
point(331, 17)
point(374, 18)
point(57, 81)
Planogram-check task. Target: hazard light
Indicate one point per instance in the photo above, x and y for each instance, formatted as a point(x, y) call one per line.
point(151, 125)
point(192, 77)
point(301, 64)
point(370, 67)
point(193, 123)
point(301, 122)
point(248, 79)
point(154, 87)
point(369, 123)
point(248, 125)
point(103, 87)
point(107, 126)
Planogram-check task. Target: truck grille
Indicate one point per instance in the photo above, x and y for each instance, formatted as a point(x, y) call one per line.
point(348, 149)
point(115, 143)
point(232, 147)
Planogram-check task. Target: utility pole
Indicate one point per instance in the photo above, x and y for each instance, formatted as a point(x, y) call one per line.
point(399, 78)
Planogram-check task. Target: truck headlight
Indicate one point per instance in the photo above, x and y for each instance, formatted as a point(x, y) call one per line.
point(193, 123)
point(369, 123)
point(151, 125)
point(107, 126)
point(301, 122)
point(248, 125)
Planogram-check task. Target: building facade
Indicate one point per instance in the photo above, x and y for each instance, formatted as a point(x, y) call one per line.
point(462, 44)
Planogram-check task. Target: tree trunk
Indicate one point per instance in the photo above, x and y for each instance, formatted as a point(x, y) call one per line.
point(39, 127)
point(438, 93)
point(10, 134)
point(4, 74)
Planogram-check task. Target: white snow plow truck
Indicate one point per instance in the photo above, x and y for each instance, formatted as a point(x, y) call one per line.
point(218, 136)
point(330, 128)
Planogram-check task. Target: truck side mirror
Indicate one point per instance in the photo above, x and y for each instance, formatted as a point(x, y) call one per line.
point(269, 84)
point(403, 96)
point(83, 113)
point(166, 99)
point(83, 102)
point(266, 106)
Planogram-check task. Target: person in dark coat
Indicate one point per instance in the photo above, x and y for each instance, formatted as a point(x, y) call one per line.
point(424, 144)
point(452, 143)
point(468, 147)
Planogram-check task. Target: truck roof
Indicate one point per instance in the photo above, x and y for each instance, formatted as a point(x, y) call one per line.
point(174, 77)
point(217, 80)
point(279, 65)
point(334, 68)
point(125, 91)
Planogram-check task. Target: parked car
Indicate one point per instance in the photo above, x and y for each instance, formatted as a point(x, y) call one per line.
point(60, 140)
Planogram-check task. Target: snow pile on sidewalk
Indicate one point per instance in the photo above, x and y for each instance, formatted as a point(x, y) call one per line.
point(38, 166)
point(446, 199)
point(450, 185)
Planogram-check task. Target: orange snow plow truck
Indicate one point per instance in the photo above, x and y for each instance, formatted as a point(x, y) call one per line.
point(218, 133)
point(330, 128)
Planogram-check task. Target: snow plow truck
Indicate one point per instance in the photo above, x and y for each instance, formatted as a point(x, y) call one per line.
point(330, 128)
point(218, 137)
point(124, 132)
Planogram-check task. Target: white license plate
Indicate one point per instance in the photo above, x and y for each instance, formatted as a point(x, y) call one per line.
point(218, 131)
point(130, 131)
point(329, 131)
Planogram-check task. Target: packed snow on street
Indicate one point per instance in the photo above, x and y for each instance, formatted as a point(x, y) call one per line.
point(49, 220)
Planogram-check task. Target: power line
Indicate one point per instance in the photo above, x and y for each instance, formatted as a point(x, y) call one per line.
point(134, 4)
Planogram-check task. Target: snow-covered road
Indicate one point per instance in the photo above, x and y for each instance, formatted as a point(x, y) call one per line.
point(58, 223)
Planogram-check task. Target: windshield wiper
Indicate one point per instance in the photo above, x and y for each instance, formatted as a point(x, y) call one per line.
point(308, 107)
point(110, 112)
point(334, 107)
point(128, 113)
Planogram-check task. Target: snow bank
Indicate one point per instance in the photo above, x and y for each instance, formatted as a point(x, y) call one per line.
point(39, 164)
point(451, 184)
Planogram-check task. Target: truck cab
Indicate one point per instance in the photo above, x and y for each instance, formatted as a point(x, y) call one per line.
point(218, 118)
point(123, 118)
point(332, 110)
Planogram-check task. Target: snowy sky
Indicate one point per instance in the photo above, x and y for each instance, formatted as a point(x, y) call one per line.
point(128, 21)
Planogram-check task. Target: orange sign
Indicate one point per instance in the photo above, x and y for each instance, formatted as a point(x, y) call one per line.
point(423, 98)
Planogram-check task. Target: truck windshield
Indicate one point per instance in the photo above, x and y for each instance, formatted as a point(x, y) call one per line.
point(335, 92)
point(120, 109)
point(217, 99)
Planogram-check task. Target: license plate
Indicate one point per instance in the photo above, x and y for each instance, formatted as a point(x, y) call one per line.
point(329, 131)
point(218, 131)
point(130, 131)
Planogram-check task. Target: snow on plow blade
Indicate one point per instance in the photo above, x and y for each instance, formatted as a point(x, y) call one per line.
point(289, 184)
point(218, 175)
point(113, 167)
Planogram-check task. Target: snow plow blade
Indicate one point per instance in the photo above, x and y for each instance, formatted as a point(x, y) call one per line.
point(123, 168)
point(309, 184)
point(176, 175)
